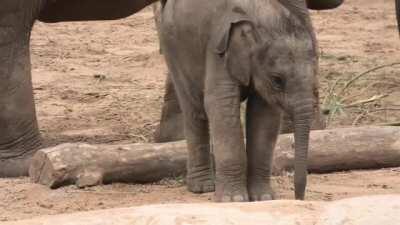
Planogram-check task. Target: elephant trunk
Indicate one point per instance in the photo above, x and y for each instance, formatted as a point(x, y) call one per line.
point(397, 2)
point(302, 118)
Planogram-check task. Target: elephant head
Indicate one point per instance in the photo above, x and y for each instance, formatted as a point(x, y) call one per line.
point(278, 60)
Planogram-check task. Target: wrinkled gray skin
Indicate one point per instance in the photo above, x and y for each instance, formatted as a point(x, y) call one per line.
point(229, 51)
point(19, 134)
point(173, 129)
point(171, 126)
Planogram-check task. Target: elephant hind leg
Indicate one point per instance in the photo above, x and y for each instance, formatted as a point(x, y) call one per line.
point(194, 127)
point(171, 124)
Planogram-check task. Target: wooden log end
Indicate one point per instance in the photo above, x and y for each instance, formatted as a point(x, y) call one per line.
point(41, 170)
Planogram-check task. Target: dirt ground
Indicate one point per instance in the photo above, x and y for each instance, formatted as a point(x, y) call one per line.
point(102, 82)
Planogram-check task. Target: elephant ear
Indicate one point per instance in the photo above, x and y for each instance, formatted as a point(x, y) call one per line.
point(236, 38)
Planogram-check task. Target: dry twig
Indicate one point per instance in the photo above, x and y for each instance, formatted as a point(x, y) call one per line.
point(363, 74)
point(361, 102)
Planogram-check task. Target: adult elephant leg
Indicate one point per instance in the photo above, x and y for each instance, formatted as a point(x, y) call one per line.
point(19, 137)
point(171, 127)
point(398, 13)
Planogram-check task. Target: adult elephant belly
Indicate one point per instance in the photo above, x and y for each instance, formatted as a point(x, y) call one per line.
point(323, 4)
point(85, 10)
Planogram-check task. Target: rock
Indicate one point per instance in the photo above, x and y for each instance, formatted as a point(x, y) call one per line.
point(368, 210)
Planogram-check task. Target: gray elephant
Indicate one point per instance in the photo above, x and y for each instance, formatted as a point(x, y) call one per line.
point(174, 130)
point(229, 51)
point(19, 134)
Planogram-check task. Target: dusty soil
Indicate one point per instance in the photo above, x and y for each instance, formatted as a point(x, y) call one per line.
point(102, 82)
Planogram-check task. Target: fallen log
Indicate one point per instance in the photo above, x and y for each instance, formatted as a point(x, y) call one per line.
point(343, 149)
point(371, 210)
point(88, 165)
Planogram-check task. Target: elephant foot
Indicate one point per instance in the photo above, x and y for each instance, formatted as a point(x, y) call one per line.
point(200, 186)
point(169, 131)
point(261, 191)
point(17, 167)
point(200, 182)
point(231, 193)
point(15, 156)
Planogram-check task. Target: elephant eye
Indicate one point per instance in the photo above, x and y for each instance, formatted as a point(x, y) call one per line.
point(278, 82)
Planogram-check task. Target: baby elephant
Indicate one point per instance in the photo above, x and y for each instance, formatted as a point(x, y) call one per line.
point(222, 52)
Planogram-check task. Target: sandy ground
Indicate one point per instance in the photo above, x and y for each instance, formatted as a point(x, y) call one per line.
point(102, 82)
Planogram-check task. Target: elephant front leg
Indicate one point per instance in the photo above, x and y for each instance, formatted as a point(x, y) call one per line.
point(199, 176)
point(262, 129)
point(223, 110)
